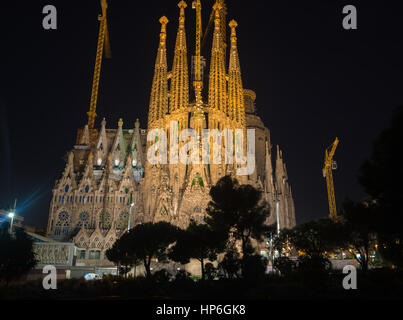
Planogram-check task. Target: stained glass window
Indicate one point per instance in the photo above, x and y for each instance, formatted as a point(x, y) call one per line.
point(105, 220)
point(123, 220)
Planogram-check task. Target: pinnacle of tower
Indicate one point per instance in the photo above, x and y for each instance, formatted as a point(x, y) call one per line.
point(159, 92)
point(223, 12)
point(85, 137)
point(278, 153)
point(179, 97)
point(135, 146)
point(163, 35)
point(71, 158)
point(236, 108)
point(119, 146)
point(102, 144)
point(268, 164)
point(217, 96)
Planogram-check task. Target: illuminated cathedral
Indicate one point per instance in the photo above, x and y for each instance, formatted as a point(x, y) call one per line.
point(108, 183)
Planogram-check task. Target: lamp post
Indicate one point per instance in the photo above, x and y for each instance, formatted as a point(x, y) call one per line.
point(277, 216)
point(11, 216)
point(130, 216)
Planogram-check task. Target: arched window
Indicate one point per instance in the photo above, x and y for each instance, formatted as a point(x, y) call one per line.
point(83, 220)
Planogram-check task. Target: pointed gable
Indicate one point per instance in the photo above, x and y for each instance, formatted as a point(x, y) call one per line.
point(102, 146)
point(119, 147)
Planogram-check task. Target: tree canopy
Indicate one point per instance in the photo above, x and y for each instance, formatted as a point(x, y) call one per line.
point(238, 211)
point(198, 241)
point(358, 229)
point(381, 177)
point(16, 254)
point(313, 239)
point(122, 254)
point(148, 241)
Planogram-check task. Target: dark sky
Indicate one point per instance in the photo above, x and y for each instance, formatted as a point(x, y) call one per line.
point(314, 81)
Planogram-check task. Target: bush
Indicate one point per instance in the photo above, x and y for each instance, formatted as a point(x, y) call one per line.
point(314, 265)
point(285, 265)
point(210, 271)
point(162, 276)
point(231, 263)
point(254, 267)
point(182, 275)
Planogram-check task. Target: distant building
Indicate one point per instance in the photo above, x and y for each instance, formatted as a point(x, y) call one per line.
point(63, 256)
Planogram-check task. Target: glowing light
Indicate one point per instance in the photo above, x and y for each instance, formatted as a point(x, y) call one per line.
point(99, 161)
point(11, 215)
point(134, 162)
point(117, 161)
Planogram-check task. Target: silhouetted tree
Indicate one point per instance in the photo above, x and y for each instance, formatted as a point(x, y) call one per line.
point(237, 211)
point(285, 265)
point(122, 255)
point(16, 254)
point(313, 238)
point(151, 240)
point(254, 267)
point(359, 224)
point(381, 176)
point(199, 242)
point(210, 271)
point(231, 263)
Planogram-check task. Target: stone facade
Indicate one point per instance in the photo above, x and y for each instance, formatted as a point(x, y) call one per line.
point(107, 171)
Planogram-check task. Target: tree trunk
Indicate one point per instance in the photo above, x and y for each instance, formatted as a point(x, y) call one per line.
point(147, 267)
point(202, 268)
point(365, 259)
point(244, 255)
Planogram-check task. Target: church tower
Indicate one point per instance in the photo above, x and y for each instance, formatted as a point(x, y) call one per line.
point(109, 181)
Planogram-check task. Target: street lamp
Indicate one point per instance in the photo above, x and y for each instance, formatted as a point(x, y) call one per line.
point(277, 216)
point(11, 216)
point(130, 216)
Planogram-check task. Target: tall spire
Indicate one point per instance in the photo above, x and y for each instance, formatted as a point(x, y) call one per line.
point(180, 77)
point(159, 91)
point(235, 90)
point(217, 80)
point(223, 19)
point(198, 120)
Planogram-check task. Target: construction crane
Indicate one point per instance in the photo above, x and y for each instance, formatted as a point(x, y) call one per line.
point(330, 165)
point(198, 81)
point(103, 43)
point(223, 24)
point(198, 120)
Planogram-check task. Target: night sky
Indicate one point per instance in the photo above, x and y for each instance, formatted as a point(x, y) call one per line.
point(314, 81)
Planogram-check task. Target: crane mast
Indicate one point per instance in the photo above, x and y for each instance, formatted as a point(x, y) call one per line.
point(327, 173)
point(223, 26)
point(199, 121)
point(198, 81)
point(103, 43)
